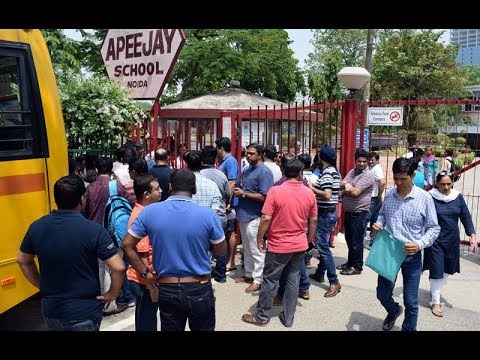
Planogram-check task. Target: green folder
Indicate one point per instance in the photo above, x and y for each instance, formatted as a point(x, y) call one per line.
point(386, 255)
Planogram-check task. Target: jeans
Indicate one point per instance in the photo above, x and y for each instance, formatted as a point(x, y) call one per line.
point(73, 325)
point(325, 224)
point(304, 282)
point(275, 265)
point(180, 302)
point(375, 207)
point(220, 269)
point(145, 310)
point(355, 227)
point(126, 295)
point(411, 272)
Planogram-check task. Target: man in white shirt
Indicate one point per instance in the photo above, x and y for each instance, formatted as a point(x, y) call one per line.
point(379, 185)
point(269, 161)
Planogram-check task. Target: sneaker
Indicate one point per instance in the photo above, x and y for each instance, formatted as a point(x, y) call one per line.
point(220, 280)
point(389, 321)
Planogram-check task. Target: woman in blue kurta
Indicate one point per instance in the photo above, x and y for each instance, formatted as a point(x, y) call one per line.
point(443, 257)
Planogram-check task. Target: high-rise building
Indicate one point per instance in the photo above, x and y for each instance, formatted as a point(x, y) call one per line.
point(469, 40)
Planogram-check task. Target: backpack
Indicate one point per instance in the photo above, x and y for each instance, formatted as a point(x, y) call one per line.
point(116, 214)
point(453, 168)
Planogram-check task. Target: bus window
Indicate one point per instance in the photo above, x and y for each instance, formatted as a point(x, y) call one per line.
point(22, 125)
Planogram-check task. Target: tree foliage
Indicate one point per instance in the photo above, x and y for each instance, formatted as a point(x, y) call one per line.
point(412, 64)
point(333, 50)
point(472, 73)
point(63, 50)
point(259, 58)
point(96, 111)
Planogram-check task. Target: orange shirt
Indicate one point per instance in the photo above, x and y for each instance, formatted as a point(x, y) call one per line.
point(143, 246)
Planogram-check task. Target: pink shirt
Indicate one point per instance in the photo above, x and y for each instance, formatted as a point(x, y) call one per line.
point(290, 204)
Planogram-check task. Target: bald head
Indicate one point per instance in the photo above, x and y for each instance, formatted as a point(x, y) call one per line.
point(161, 156)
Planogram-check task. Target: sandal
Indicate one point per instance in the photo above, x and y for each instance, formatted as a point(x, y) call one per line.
point(437, 310)
point(252, 319)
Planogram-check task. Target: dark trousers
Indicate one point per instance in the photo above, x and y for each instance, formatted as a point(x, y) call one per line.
point(355, 227)
point(275, 265)
point(145, 310)
point(375, 207)
point(186, 301)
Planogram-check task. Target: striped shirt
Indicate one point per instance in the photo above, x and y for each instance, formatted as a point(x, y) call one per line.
point(329, 179)
point(413, 218)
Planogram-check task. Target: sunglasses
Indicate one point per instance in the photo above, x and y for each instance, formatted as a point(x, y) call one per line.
point(445, 173)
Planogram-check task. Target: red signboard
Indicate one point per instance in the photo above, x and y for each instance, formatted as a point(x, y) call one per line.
point(142, 59)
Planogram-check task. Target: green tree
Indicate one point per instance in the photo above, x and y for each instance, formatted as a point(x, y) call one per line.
point(64, 52)
point(333, 50)
point(472, 73)
point(412, 64)
point(259, 58)
point(95, 109)
point(89, 51)
point(96, 112)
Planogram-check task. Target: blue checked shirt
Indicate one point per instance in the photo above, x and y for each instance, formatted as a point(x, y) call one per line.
point(413, 218)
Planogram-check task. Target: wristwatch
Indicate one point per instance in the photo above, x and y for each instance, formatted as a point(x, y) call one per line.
point(145, 273)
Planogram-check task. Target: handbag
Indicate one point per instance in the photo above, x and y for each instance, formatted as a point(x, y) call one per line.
point(386, 255)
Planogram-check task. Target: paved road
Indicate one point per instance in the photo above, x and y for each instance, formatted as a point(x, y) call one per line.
point(355, 308)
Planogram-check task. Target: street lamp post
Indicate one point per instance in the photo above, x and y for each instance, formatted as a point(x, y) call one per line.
point(353, 78)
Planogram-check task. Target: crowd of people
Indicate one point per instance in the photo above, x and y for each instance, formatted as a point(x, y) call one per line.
point(282, 205)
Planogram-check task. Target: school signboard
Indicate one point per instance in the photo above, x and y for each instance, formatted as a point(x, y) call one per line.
point(142, 59)
point(385, 116)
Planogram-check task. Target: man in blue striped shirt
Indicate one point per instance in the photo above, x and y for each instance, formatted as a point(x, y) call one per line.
point(408, 212)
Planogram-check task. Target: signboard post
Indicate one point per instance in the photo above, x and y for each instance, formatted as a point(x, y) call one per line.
point(383, 116)
point(142, 59)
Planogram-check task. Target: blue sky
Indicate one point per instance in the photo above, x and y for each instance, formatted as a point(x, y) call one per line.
point(301, 43)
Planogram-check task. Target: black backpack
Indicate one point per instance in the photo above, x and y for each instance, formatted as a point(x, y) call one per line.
point(454, 168)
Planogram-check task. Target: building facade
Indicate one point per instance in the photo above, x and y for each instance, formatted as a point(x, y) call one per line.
point(469, 40)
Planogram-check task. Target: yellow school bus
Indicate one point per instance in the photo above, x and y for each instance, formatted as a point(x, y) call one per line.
point(33, 149)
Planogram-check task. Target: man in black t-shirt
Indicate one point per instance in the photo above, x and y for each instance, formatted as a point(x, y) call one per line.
point(67, 246)
point(162, 171)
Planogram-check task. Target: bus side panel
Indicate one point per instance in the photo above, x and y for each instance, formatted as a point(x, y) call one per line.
point(21, 209)
point(57, 163)
point(23, 197)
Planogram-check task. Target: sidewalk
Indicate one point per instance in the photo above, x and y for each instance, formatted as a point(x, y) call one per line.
point(355, 308)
